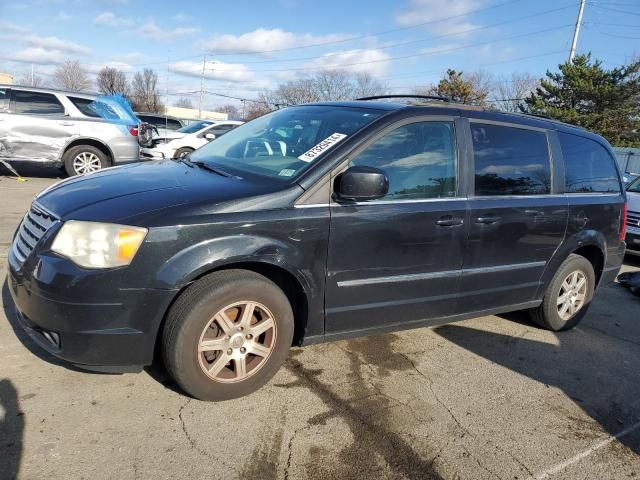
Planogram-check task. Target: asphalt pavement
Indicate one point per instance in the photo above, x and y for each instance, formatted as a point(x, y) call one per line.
point(489, 398)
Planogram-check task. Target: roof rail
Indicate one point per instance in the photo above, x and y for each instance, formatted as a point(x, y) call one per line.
point(425, 97)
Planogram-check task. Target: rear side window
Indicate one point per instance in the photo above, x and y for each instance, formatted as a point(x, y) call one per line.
point(510, 161)
point(588, 167)
point(173, 124)
point(36, 103)
point(419, 159)
point(84, 105)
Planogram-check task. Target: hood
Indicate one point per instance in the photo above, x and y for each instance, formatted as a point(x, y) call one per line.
point(126, 192)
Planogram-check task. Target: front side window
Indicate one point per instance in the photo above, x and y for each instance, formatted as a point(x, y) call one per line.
point(588, 167)
point(510, 161)
point(36, 103)
point(419, 159)
point(283, 144)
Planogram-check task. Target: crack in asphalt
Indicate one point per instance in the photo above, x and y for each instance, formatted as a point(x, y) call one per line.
point(290, 449)
point(466, 430)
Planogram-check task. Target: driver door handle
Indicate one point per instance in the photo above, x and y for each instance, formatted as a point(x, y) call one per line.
point(449, 221)
point(487, 219)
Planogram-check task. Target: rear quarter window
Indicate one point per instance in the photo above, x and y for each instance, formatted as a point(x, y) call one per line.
point(588, 166)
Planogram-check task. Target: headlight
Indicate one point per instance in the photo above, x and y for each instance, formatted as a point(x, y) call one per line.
point(98, 245)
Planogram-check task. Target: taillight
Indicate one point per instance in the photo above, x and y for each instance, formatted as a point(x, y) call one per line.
point(623, 222)
point(133, 130)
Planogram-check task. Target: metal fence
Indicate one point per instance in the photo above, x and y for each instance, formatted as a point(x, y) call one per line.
point(628, 159)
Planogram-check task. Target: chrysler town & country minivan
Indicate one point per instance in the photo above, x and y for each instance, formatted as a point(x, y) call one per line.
point(315, 223)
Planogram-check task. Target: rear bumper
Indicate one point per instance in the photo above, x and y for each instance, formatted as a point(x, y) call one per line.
point(111, 334)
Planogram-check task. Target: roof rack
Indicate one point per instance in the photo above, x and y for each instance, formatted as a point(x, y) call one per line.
point(424, 97)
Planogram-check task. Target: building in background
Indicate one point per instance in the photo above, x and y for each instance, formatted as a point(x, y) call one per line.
point(191, 114)
point(6, 78)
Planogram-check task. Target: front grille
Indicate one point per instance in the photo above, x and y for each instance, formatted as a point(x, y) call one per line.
point(33, 227)
point(633, 219)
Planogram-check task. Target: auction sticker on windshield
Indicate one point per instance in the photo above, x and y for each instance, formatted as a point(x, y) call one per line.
point(321, 147)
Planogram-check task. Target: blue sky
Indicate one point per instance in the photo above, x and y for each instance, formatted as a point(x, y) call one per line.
point(252, 45)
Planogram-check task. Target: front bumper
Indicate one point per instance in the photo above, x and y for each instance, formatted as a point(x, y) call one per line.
point(86, 324)
point(632, 240)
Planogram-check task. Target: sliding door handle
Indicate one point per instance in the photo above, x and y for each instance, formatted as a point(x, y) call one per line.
point(486, 220)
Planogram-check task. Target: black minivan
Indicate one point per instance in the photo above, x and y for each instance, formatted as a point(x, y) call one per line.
point(314, 223)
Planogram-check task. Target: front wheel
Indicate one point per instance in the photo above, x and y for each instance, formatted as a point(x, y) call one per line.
point(182, 152)
point(227, 335)
point(568, 295)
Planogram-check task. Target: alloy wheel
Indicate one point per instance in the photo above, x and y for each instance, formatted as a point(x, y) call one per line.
point(572, 295)
point(236, 342)
point(86, 162)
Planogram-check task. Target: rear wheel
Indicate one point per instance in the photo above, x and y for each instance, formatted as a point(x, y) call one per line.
point(84, 159)
point(182, 152)
point(227, 335)
point(568, 295)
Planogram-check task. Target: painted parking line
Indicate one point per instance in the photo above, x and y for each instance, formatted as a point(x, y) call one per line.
point(576, 458)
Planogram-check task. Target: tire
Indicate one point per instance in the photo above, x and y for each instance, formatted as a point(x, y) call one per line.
point(548, 314)
point(195, 318)
point(182, 152)
point(84, 159)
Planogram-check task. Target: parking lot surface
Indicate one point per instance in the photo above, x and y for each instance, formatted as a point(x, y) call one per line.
point(489, 398)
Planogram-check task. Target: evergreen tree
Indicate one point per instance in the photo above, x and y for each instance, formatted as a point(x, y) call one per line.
point(586, 94)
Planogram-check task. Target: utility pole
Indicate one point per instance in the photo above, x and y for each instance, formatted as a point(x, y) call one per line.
point(204, 63)
point(576, 32)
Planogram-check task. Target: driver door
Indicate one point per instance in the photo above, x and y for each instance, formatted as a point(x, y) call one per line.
point(398, 260)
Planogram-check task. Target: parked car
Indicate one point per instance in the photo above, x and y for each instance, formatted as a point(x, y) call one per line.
point(633, 218)
point(64, 129)
point(161, 123)
point(187, 139)
point(315, 223)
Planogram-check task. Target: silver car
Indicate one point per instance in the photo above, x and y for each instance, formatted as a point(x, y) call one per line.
point(81, 132)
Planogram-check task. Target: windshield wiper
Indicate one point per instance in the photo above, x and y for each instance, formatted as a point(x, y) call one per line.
point(210, 167)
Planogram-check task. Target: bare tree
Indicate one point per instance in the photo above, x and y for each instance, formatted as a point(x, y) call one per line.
point(231, 111)
point(183, 102)
point(511, 91)
point(34, 81)
point(367, 86)
point(145, 96)
point(72, 76)
point(111, 81)
point(257, 109)
point(333, 85)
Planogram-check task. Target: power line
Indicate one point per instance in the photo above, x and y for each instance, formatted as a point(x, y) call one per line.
point(402, 57)
point(420, 40)
point(616, 10)
point(350, 39)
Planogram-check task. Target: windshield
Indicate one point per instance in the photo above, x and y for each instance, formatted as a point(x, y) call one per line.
point(195, 127)
point(282, 144)
point(634, 186)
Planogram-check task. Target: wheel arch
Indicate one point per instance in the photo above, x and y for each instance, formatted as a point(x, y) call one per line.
point(103, 147)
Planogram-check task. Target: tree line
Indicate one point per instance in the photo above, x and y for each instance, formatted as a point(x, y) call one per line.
point(583, 93)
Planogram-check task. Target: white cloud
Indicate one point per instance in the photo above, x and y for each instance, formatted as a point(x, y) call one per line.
point(423, 11)
point(130, 57)
point(55, 44)
point(263, 40)
point(110, 19)
point(8, 27)
point(152, 31)
point(236, 72)
point(96, 67)
point(39, 56)
point(373, 61)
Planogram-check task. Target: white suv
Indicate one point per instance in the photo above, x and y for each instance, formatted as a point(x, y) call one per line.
point(187, 139)
point(65, 128)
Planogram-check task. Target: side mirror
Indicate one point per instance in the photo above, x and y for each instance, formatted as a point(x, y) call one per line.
point(361, 183)
point(210, 136)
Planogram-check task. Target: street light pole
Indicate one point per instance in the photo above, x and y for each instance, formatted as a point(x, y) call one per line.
point(204, 63)
point(576, 32)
